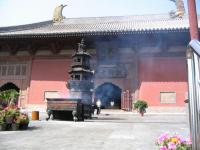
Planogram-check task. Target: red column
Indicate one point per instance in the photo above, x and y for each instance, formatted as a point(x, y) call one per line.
point(127, 104)
point(123, 99)
point(193, 19)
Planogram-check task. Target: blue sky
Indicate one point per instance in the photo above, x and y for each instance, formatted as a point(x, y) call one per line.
point(16, 12)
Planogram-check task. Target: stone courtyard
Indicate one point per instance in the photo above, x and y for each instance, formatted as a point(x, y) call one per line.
point(110, 130)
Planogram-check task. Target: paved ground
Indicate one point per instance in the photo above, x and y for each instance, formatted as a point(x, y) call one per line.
point(110, 131)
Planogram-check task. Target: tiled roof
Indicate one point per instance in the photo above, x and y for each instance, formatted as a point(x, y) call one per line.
point(98, 25)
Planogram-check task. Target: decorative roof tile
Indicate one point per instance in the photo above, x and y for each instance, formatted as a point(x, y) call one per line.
point(98, 25)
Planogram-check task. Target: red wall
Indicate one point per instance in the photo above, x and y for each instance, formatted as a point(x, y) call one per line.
point(48, 75)
point(155, 75)
point(162, 75)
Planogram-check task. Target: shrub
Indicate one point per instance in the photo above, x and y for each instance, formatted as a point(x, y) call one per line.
point(140, 105)
point(23, 119)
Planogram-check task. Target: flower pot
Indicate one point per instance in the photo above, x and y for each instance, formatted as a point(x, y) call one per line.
point(142, 113)
point(23, 126)
point(9, 119)
point(15, 126)
point(2, 127)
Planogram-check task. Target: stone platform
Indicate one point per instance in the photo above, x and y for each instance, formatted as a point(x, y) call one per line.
point(109, 130)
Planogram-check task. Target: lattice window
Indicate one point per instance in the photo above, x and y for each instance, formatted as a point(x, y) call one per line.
point(3, 71)
point(77, 77)
point(18, 70)
point(168, 97)
point(50, 94)
point(13, 69)
point(23, 70)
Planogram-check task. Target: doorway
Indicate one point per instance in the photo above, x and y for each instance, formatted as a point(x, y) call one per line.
point(109, 95)
point(9, 86)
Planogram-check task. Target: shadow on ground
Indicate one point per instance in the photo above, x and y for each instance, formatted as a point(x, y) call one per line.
point(31, 128)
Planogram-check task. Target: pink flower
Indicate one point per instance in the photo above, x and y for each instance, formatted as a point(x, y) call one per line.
point(182, 140)
point(6, 108)
point(163, 148)
point(189, 142)
point(166, 142)
point(163, 137)
point(172, 146)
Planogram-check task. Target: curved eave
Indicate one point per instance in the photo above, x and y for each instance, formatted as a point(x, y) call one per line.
point(92, 33)
point(79, 66)
point(78, 71)
point(85, 54)
point(71, 72)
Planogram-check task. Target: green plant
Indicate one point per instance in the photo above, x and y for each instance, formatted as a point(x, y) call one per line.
point(11, 115)
point(10, 112)
point(23, 119)
point(2, 116)
point(2, 122)
point(9, 97)
point(17, 120)
point(141, 106)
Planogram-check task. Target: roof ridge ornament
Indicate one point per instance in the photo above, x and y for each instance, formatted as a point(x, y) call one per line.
point(57, 15)
point(180, 9)
point(81, 46)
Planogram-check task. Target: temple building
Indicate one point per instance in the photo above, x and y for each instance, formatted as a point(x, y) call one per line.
point(133, 57)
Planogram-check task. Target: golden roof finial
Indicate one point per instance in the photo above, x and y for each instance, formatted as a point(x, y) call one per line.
point(57, 15)
point(180, 9)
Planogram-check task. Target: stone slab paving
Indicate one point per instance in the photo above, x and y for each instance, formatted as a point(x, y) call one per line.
point(108, 131)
